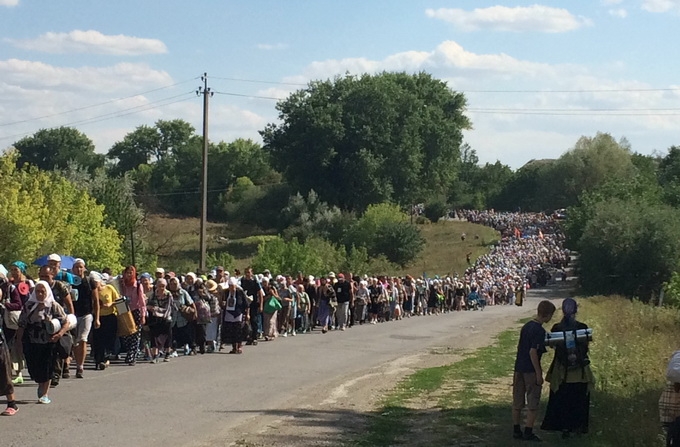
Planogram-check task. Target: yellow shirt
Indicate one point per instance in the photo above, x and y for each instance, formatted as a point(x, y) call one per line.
point(107, 295)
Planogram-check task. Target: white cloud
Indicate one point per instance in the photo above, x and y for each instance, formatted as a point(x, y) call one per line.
point(9, 2)
point(660, 5)
point(270, 46)
point(621, 13)
point(91, 42)
point(502, 18)
point(611, 2)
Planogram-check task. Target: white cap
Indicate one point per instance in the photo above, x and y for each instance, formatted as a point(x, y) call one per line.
point(160, 270)
point(54, 257)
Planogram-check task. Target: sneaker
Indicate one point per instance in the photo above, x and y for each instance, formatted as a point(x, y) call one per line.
point(285, 334)
point(101, 366)
point(153, 361)
point(19, 380)
point(293, 334)
point(174, 354)
point(66, 374)
point(54, 383)
point(532, 437)
point(44, 400)
point(79, 373)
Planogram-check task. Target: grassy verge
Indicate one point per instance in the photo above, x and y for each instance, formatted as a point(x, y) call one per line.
point(468, 403)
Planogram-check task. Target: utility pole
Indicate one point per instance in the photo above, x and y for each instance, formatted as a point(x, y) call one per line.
point(207, 93)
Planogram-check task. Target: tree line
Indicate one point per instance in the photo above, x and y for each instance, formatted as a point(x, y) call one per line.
point(343, 146)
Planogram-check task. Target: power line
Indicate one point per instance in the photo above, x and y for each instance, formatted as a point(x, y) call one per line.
point(256, 81)
point(112, 115)
point(248, 96)
point(631, 90)
point(95, 105)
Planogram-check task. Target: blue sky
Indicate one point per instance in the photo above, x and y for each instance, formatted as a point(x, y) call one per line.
point(537, 75)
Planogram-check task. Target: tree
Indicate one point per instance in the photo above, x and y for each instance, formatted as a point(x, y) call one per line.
point(145, 144)
point(42, 212)
point(400, 242)
point(122, 212)
point(358, 140)
point(306, 217)
point(630, 248)
point(50, 149)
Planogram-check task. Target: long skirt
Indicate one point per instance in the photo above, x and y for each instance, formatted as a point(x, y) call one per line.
point(568, 408)
point(233, 332)
point(132, 341)
point(40, 360)
point(269, 323)
point(325, 314)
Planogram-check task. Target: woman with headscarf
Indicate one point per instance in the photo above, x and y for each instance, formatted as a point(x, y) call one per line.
point(571, 378)
point(269, 309)
point(212, 329)
point(236, 316)
point(133, 290)
point(159, 307)
point(37, 337)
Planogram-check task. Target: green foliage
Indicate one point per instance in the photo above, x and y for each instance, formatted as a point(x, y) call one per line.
point(546, 185)
point(436, 209)
point(307, 217)
point(400, 242)
point(384, 229)
point(629, 248)
point(672, 291)
point(42, 212)
point(220, 258)
point(316, 257)
point(121, 211)
point(258, 205)
point(50, 149)
point(385, 137)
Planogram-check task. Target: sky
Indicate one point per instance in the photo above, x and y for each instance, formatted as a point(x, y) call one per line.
point(537, 76)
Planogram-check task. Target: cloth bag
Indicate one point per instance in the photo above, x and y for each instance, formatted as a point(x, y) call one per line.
point(272, 305)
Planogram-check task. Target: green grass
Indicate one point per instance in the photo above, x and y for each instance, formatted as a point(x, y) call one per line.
point(176, 243)
point(469, 401)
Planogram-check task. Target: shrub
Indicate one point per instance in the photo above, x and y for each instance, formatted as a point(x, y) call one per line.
point(436, 209)
point(400, 242)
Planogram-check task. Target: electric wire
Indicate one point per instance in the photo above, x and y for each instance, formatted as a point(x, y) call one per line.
point(95, 105)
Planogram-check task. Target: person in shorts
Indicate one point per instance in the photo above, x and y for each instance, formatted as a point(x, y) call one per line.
point(528, 375)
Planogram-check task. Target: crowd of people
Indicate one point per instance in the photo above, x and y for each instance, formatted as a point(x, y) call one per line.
point(49, 322)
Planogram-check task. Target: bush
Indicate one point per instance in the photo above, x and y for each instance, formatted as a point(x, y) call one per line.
point(436, 209)
point(422, 220)
point(629, 248)
point(221, 258)
point(400, 242)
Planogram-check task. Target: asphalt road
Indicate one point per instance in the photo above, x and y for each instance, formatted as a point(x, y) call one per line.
point(190, 399)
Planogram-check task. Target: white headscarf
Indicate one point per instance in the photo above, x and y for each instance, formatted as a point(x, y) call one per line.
point(33, 300)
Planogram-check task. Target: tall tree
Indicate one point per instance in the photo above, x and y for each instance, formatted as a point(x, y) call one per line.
point(146, 144)
point(50, 149)
point(358, 140)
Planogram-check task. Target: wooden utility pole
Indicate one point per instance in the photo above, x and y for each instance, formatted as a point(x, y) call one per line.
point(207, 93)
